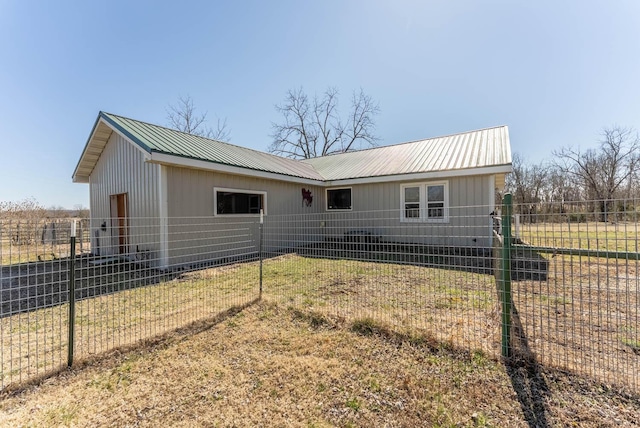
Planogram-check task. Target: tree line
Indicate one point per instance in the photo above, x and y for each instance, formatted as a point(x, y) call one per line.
point(31, 209)
point(601, 182)
point(25, 222)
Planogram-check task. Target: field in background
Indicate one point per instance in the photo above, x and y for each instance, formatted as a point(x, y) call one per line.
point(620, 236)
point(41, 240)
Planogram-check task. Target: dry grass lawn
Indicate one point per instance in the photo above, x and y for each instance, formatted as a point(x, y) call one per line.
point(273, 365)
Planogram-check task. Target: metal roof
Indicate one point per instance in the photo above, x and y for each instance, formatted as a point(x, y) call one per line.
point(158, 139)
point(475, 149)
point(470, 150)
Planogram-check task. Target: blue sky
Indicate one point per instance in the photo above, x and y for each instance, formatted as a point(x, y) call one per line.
point(556, 72)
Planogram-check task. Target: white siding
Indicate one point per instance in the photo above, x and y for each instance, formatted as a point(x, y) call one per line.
point(196, 234)
point(121, 169)
point(376, 209)
point(194, 230)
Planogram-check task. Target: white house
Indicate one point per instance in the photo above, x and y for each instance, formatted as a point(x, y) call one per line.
point(144, 179)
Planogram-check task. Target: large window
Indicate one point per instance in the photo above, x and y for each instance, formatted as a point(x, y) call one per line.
point(339, 199)
point(232, 201)
point(425, 202)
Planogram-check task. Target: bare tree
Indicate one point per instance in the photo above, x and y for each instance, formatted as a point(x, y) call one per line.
point(605, 171)
point(81, 211)
point(526, 182)
point(313, 128)
point(183, 117)
point(57, 211)
point(561, 193)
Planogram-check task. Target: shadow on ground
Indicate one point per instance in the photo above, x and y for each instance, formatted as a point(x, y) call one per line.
point(526, 377)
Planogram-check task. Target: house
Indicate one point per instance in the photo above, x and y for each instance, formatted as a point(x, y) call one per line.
point(146, 179)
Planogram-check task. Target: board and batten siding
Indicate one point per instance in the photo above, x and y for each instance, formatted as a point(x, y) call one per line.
point(121, 168)
point(197, 234)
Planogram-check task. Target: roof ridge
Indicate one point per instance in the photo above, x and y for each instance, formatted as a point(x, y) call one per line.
point(409, 142)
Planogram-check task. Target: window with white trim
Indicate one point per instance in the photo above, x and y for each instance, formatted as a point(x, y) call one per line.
point(234, 201)
point(425, 202)
point(339, 199)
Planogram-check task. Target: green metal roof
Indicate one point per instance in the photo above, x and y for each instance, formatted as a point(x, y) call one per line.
point(470, 150)
point(484, 148)
point(154, 138)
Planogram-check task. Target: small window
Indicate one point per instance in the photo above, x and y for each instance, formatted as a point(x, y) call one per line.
point(230, 201)
point(424, 202)
point(339, 199)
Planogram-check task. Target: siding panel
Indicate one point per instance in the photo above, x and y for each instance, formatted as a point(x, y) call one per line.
point(122, 169)
point(291, 224)
point(376, 208)
point(195, 231)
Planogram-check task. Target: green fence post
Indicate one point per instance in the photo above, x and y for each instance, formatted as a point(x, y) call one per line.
point(260, 249)
point(505, 280)
point(72, 294)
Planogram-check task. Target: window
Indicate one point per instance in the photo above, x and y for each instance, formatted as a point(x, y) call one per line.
point(435, 201)
point(425, 202)
point(232, 201)
point(412, 202)
point(339, 199)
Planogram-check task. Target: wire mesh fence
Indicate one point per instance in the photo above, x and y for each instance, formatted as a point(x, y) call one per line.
point(428, 280)
point(127, 289)
point(138, 278)
point(576, 300)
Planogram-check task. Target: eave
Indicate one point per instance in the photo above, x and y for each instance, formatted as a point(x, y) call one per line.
point(184, 162)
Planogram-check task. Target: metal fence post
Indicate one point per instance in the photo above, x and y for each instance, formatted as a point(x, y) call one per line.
point(505, 280)
point(260, 248)
point(72, 294)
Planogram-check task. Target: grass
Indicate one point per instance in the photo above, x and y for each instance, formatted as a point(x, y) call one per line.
point(630, 337)
point(560, 316)
point(36, 342)
point(271, 365)
point(622, 236)
point(410, 298)
point(38, 252)
point(583, 318)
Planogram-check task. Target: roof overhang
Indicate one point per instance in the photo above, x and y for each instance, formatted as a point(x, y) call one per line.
point(96, 143)
point(98, 139)
point(429, 175)
point(172, 160)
